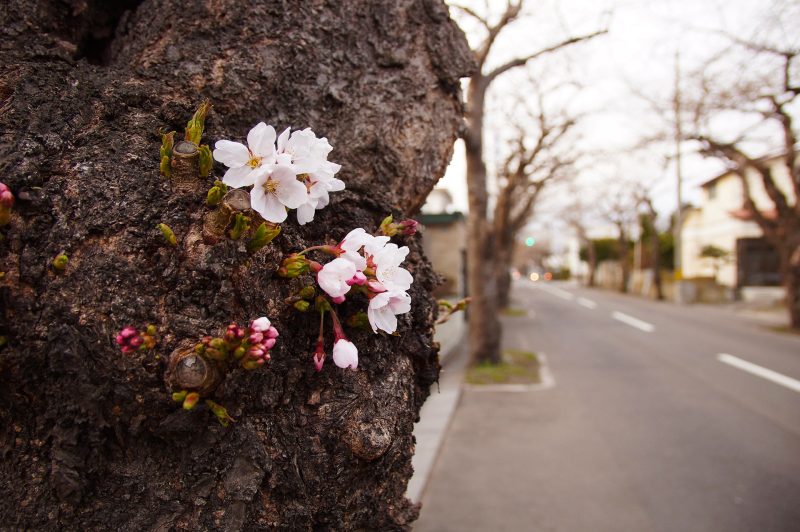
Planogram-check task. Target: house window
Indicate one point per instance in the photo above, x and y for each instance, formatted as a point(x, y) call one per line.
point(758, 263)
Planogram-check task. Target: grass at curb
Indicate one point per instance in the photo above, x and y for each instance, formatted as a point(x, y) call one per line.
point(517, 367)
point(514, 312)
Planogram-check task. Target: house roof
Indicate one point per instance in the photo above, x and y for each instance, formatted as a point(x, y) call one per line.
point(726, 173)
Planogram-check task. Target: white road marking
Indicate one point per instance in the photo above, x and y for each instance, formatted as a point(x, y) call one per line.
point(588, 303)
point(563, 294)
point(633, 322)
point(760, 371)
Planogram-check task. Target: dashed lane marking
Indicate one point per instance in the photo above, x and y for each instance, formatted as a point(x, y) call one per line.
point(759, 371)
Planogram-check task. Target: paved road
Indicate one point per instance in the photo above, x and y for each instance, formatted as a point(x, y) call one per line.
point(645, 429)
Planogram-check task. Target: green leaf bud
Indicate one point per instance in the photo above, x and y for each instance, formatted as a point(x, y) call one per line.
point(168, 235)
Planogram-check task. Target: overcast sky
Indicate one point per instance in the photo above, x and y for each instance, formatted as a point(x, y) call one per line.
point(638, 52)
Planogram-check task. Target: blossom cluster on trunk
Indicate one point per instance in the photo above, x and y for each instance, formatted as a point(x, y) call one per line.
point(290, 171)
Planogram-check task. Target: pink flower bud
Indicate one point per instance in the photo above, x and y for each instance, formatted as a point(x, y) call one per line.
point(269, 343)
point(6, 197)
point(255, 351)
point(345, 354)
point(359, 278)
point(319, 353)
point(260, 325)
point(272, 332)
point(319, 360)
point(338, 300)
point(255, 338)
point(409, 227)
point(233, 333)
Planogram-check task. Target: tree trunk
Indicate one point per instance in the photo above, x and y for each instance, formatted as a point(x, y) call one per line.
point(655, 256)
point(592, 255)
point(90, 439)
point(790, 269)
point(622, 246)
point(504, 256)
point(484, 323)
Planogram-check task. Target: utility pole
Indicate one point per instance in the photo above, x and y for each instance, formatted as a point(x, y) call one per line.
point(678, 265)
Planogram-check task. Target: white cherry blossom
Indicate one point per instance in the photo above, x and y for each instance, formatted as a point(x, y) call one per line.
point(244, 162)
point(387, 268)
point(274, 192)
point(383, 310)
point(333, 277)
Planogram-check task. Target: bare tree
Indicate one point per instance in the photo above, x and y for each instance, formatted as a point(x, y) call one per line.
point(773, 101)
point(484, 330)
point(535, 161)
point(620, 209)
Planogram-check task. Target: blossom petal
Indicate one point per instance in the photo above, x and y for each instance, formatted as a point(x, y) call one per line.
point(290, 191)
point(402, 279)
point(282, 138)
point(239, 177)
point(267, 205)
point(231, 154)
point(305, 212)
point(261, 140)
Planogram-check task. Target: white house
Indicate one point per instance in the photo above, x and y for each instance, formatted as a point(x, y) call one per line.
point(722, 221)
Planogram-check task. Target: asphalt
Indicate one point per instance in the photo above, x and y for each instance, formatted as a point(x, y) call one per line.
point(644, 429)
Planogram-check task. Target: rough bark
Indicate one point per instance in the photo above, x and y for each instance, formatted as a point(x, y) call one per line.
point(89, 439)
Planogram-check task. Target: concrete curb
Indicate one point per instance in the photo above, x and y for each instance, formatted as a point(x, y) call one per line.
point(436, 415)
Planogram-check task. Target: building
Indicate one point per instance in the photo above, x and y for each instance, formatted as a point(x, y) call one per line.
point(444, 238)
point(746, 264)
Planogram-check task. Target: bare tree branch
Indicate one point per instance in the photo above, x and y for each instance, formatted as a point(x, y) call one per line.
point(521, 61)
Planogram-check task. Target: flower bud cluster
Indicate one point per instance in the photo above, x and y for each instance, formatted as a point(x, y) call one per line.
point(131, 340)
point(250, 346)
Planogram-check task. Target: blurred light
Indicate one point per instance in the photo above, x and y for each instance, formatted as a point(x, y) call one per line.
point(530, 241)
point(516, 275)
point(548, 276)
point(534, 277)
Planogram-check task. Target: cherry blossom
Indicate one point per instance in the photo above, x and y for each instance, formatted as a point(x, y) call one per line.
point(384, 307)
point(274, 192)
point(387, 268)
point(345, 354)
point(244, 162)
point(334, 277)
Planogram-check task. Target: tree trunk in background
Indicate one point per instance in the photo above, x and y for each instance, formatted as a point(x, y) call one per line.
point(504, 256)
point(592, 253)
point(90, 439)
point(789, 252)
point(655, 251)
point(622, 247)
point(484, 323)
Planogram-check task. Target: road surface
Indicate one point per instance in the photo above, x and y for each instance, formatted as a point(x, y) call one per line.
point(663, 417)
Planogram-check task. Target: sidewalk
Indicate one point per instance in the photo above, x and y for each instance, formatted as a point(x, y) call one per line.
point(440, 406)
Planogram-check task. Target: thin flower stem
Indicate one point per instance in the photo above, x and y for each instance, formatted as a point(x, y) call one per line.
point(321, 337)
point(338, 333)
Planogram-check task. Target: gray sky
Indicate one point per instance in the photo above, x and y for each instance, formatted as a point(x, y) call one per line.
point(639, 52)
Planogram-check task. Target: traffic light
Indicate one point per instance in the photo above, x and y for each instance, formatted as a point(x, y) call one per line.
point(530, 241)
